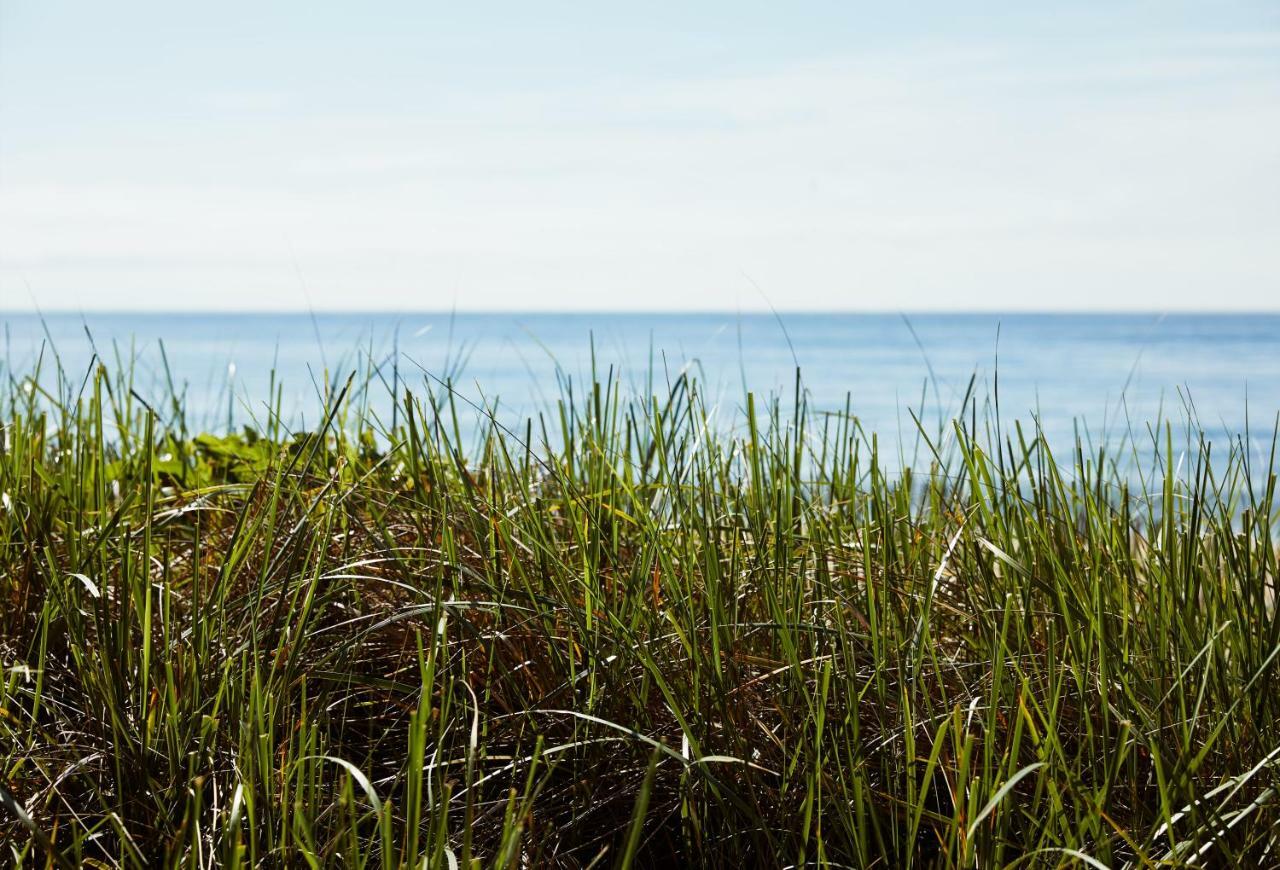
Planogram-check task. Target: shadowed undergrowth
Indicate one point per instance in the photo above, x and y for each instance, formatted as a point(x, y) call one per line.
point(636, 630)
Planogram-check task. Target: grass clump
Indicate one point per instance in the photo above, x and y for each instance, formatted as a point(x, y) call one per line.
point(631, 632)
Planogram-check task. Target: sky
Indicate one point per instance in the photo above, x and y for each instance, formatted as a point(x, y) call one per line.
point(660, 156)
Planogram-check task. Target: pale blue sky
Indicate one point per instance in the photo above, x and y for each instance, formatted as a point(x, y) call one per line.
point(568, 156)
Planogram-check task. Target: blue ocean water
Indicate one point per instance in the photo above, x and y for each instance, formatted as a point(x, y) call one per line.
point(1110, 374)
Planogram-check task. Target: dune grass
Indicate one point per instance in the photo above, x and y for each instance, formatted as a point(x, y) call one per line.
point(634, 631)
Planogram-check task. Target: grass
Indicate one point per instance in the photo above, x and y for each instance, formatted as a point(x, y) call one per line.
point(634, 631)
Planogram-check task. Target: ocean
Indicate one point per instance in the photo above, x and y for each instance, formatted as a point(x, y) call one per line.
point(1106, 377)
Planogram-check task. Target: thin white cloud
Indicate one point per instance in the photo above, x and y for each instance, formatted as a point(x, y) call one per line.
point(935, 177)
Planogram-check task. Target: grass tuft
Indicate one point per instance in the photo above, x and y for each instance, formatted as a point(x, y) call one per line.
point(627, 633)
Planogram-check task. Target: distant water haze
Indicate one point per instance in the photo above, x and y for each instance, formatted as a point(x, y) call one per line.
point(1110, 375)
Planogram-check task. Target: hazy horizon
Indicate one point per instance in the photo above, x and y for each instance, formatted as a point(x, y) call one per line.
point(652, 312)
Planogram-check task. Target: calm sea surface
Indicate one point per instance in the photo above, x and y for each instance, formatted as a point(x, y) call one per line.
point(1106, 372)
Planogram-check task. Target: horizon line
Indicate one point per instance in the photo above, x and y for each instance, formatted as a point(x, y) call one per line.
point(662, 312)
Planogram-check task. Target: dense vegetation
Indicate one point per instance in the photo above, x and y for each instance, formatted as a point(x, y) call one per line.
point(635, 631)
